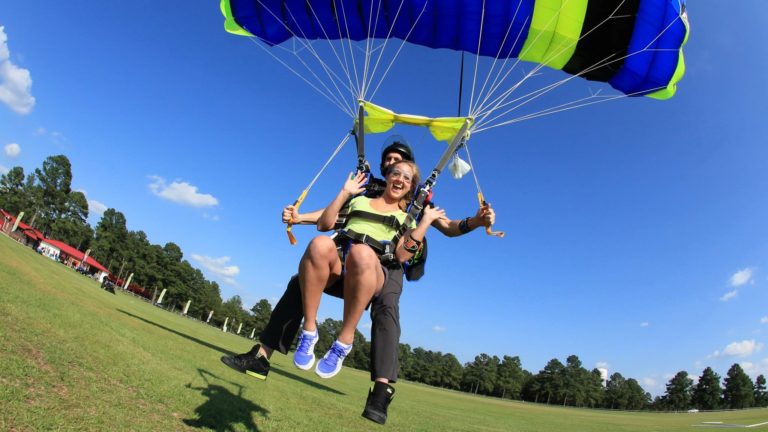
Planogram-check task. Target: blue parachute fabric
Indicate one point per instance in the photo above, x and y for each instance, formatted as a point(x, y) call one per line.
point(453, 24)
point(654, 49)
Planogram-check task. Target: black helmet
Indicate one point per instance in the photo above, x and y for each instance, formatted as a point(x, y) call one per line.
point(399, 145)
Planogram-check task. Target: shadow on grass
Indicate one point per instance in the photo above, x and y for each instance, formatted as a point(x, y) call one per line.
point(223, 410)
point(273, 369)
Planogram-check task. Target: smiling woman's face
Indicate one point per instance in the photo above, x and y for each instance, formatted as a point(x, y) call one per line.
point(399, 180)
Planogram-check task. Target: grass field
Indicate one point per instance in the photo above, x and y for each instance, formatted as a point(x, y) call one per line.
point(75, 357)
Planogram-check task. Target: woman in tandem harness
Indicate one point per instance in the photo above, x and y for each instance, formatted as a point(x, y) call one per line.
point(371, 224)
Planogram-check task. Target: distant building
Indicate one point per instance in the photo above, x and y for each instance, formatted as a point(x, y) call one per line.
point(74, 258)
point(55, 249)
point(24, 233)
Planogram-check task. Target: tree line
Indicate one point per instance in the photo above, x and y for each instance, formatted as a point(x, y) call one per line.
point(61, 213)
point(53, 208)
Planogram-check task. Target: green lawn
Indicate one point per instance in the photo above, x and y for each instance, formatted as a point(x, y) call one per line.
point(75, 357)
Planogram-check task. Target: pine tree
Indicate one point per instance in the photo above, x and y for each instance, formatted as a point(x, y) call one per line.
point(679, 392)
point(739, 391)
point(707, 393)
point(761, 395)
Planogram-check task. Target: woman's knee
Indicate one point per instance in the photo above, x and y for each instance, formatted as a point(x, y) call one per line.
point(361, 257)
point(321, 247)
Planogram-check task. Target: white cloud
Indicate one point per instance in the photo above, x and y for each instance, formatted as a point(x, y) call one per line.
point(602, 364)
point(649, 382)
point(438, 329)
point(96, 207)
point(741, 277)
point(744, 348)
point(729, 295)
point(219, 267)
point(12, 150)
point(764, 320)
point(181, 193)
point(15, 82)
point(755, 369)
point(645, 324)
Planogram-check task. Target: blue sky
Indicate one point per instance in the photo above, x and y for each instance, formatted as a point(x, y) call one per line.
point(636, 229)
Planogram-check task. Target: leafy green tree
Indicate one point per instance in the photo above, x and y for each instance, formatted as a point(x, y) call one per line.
point(109, 240)
point(450, 371)
point(261, 312)
point(739, 390)
point(55, 180)
point(637, 398)
point(233, 309)
point(481, 374)
point(761, 395)
point(71, 227)
point(552, 380)
point(509, 378)
point(12, 197)
point(574, 379)
point(593, 389)
point(679, 390)
point(707, 393)
point(406, 361)
point(616, 396)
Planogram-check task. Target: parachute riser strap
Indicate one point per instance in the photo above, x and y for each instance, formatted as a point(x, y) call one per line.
point(417, 205)
point(359, 133)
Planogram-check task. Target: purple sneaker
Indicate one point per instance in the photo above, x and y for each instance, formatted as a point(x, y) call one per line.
point(304, 357)
point(330, 364)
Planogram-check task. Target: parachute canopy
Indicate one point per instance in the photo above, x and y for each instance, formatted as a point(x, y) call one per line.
point(634, 45)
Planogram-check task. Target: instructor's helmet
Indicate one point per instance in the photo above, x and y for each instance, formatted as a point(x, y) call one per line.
point(399, 145)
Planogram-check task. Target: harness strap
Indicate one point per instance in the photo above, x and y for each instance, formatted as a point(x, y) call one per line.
point(390, 221)
point(382, 249)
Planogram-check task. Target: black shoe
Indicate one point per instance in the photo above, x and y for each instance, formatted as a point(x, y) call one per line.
point(379, 397)
point(250, 363)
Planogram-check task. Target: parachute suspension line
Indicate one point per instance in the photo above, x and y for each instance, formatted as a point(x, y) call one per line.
point(538, 93)
point(541, 64)
point(336, 102)
point(461, 83)
point(567, 107)
point(480, 197)
point(402, 44)
point(384, 47)
point(359, 93)
point(368, 42)
point(297, 203)
point(501, 101)
point(477, 58)
point(328, 71)
point(339, 96)
point(504, 63)
point(344, 64)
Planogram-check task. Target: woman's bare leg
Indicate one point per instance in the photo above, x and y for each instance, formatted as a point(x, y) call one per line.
point(363, 277)
point(319, 267)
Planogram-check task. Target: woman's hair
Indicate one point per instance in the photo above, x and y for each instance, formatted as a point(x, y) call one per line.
point(403, 204)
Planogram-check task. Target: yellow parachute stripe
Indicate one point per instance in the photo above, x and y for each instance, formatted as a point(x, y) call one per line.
point(230, 25)
point(671, 88)
point(555, 30)
point(380, 119)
